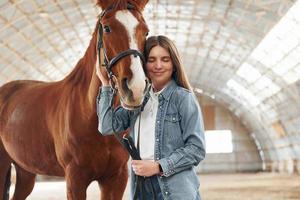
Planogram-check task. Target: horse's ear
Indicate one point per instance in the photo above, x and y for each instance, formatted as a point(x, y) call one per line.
point(140, 3)
point(103, 4)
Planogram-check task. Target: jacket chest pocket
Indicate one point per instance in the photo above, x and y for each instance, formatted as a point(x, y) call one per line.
point(172, 128)
point(173, 118)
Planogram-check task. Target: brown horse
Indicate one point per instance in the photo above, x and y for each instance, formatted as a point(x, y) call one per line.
point(51, 128)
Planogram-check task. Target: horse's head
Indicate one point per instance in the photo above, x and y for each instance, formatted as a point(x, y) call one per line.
point(122, 34)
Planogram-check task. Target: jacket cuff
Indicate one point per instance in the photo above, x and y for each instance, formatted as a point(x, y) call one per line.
point(105, 91)
point(167, 166)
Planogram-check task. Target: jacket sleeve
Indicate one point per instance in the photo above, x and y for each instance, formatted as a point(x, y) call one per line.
point(193, 150)
point(121, 118)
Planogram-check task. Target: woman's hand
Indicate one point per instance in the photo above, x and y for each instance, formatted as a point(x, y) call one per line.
point(145, 167)
point(102, 74)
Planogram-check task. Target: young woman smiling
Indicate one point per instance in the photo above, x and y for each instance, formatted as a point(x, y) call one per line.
point(171, 140)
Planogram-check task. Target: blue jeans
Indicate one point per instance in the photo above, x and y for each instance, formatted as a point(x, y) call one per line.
point(157, 191)
point(156, 188)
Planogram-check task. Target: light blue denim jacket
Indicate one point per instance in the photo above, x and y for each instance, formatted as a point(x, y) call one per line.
point(179, 137)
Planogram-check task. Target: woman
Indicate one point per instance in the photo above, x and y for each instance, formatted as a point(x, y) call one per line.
point(171, 140)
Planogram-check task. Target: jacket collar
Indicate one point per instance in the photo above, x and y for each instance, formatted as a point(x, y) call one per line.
point(166, 93)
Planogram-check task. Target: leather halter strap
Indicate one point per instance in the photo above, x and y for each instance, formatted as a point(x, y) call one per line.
point(109, 64)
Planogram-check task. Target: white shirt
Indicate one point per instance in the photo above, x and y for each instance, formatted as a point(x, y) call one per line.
point(147, 127)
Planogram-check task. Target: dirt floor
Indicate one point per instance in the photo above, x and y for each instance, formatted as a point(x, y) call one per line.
point(260, 186)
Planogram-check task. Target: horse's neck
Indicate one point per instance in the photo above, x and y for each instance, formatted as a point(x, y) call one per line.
point(83, 80)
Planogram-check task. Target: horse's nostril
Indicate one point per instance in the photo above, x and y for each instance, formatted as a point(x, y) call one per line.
point(125, 81)
point(127, 91)
point(125, 84)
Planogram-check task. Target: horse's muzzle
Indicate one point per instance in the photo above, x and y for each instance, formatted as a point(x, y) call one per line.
point(131, 101)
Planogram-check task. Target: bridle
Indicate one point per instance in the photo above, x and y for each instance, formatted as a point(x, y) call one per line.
point(109, 64)
point(126, 141)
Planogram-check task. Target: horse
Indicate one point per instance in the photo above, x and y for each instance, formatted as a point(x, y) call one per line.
point(51, 128)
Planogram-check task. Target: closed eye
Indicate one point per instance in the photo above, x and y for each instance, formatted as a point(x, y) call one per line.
point(166, 59)
point(151, 60)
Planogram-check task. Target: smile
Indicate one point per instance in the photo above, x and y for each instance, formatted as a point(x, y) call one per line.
point(158, 73)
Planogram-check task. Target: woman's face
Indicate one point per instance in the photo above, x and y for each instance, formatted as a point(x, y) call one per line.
point(159, 67)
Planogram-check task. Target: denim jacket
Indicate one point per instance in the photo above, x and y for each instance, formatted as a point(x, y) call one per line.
point(179, 137)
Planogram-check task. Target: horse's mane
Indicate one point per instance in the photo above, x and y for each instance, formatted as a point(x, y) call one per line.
point(86, 63)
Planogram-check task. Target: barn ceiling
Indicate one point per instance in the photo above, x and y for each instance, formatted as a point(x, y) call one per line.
point(242, 54)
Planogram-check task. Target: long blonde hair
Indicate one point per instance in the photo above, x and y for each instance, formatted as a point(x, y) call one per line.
point(179, 74)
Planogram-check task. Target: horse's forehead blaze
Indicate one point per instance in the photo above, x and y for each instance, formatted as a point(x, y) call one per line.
point(130, 23)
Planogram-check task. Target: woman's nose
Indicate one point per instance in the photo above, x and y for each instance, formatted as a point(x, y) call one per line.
point(158, 65)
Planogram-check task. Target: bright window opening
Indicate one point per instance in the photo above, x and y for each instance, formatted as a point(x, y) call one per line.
point(218, 141)
point(248, 72)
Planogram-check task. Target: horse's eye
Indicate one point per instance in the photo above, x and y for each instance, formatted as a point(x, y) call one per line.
point(146, 34)
point(106, 29)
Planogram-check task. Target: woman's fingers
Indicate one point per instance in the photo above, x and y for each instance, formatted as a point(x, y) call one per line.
point(102, 74)
point(144, 167)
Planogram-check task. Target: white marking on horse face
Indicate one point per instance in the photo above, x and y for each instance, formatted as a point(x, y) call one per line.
point(137, 83)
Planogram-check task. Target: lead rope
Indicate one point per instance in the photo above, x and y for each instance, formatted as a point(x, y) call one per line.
point(141, 181)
